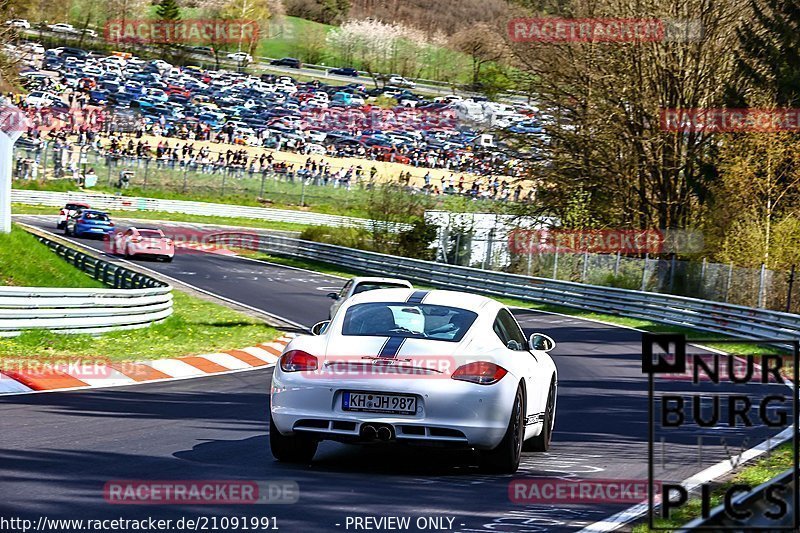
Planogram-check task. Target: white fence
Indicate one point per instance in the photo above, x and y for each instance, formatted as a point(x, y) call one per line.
point(81, 310)
point(136, 301)
point(136, 203)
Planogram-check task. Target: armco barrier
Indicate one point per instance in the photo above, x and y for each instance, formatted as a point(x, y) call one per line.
point(714, 317)
point(754, 502)
point(135, 203)
point(136, 301)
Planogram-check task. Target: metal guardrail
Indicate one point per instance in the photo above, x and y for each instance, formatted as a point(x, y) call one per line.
point(714, 317)
point(136, 203)
point(136, 301)
point(754, 502)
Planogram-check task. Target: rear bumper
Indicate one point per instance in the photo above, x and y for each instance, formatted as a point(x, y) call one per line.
point(449, 412)
point(93, 230)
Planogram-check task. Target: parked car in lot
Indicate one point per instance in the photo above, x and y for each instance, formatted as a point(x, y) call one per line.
point(362, 284)
point(89, 222)
point(437, 368)
point(286, 62)
point(41, 99)
point(69, 210)
point(139, 242)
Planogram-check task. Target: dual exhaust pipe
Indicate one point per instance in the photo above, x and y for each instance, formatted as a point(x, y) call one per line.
point(376, 432)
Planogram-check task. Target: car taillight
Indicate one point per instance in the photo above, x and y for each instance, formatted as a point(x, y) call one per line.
point(481, 372)
point(136, 239)
point(63, 212)
point(298, 360)
point(110, 223)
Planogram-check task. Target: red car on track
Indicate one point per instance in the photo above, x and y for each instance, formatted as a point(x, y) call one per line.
point(140, 242)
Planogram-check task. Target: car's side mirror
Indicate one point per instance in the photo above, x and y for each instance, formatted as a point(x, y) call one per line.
point(541, 342)
point(333, 296)
point(320, 327)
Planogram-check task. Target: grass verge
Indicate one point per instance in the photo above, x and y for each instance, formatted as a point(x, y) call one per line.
point(25, 262)
point(197, 326)
point(760, 471)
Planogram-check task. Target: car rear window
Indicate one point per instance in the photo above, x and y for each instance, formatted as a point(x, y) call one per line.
point(95, 216)
point(150, 234)
point(399, 319)
point(364, 287)
point(74, 207)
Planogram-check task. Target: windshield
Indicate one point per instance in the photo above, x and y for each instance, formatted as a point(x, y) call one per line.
point(436, 322)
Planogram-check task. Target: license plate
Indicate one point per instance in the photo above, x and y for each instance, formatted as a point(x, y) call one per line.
point(379, 403)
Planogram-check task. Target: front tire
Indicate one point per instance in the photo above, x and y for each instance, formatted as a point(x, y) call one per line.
point(505, 458)
point(295, 448)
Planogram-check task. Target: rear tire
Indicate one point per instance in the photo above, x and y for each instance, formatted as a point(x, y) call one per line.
point(505, 458)
point(541, 442)
point(295, 448)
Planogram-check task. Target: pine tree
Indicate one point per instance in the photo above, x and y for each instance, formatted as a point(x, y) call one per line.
point(168, 10)
point(770, 44)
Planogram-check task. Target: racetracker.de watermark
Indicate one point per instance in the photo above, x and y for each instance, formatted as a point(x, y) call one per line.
point(604, 30)
point(85, 369)
point(625, 241)
point(375, 118)
point(189, 31)
point(201, 492)
point(720, 120)
point(577, 491)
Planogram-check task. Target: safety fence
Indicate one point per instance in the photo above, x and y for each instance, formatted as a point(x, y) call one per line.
point(135, 301)
point(714, 317)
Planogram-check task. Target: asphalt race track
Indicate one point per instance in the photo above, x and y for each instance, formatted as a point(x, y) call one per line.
point(59, 449)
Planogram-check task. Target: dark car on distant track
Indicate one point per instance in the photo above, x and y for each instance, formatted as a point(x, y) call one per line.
point(345, 71)
point(286, 62)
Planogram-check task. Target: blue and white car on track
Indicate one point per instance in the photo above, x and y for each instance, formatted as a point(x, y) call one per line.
point(411, 366)
point(89, 222)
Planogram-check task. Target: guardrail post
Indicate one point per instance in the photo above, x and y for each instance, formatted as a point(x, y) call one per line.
point(644, 271)
point(555, 263)
point(616, 264)
point(702, 276)
point(530, 257)
point(728, 283)
point(761, 280)
point(672, 265)
point(585, 265)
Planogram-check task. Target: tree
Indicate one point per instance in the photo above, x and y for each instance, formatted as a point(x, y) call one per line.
point(310, 44)
point(482, 44)
point(168, 10)
point(601, 105)
point(769, 61)
point(255, 10)
point(758, 191)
